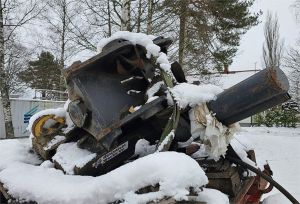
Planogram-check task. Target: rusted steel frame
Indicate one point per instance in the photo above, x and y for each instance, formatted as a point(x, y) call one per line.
point(243, 191)
point(79, 66)
point(266, 177)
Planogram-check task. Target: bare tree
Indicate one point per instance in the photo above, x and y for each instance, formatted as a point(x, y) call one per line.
point(292, 61)
point(182, 29)
point(15, 60)
point(125, 17)
point(296, 8)
point(273, 46)
point(14, 14)
point(58, 18)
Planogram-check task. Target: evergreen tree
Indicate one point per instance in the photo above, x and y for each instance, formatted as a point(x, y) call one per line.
point(211, 29)
point(43, 73)
point(279, 117)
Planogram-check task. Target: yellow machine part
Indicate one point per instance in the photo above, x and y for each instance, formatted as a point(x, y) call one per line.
point(39, 129)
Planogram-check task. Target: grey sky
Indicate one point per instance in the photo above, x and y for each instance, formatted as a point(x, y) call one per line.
point(250, 50)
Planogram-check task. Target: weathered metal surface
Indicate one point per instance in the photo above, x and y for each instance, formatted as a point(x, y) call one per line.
point(107, 85)
point(238, 199)
point(229, 182)
point(222, 176)
point(259, 92)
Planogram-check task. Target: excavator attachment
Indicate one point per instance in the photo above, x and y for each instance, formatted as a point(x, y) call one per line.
point(112, 110)
point(103, 89)
point(47, 125)
point(45, 130)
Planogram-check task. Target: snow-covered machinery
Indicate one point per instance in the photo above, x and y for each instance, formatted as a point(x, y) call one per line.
point(127, 102)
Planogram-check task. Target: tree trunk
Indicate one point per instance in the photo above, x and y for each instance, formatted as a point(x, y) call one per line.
point(149, 16)
point(125, 21)
point(4, 88)
point(109, 18)
point(63, 44)
point(139, 17)
point(182, 30)
point(63, 48)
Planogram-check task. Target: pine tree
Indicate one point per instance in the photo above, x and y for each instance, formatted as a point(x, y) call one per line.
point(43, 73)
point(213, 29)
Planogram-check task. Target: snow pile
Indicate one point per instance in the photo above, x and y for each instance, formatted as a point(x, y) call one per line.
point(201, 153)
point(14, 150)
point(47, 164)
point(69, 122)
point(68, 155)
point(154, 89)
point(143, 148)
point(174, 172)
point(190, 95)
point(241, 149)
point(55, 141)
point(212, 196)
point(166, 141)
point(276, 199)
point(58, 112)
point(280, 148)
point(143, 40)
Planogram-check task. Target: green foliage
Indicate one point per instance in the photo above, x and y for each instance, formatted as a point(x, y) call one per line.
point(44, 73)
point(215, 26)
point(278, 117)
point(259, 119)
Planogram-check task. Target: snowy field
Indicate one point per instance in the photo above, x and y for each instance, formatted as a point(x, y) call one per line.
point(279, 146)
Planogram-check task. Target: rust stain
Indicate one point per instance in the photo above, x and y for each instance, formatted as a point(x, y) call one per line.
point(273, 79)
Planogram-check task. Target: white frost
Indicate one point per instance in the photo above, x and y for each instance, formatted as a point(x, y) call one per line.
point(68, 155)
point(27, 182)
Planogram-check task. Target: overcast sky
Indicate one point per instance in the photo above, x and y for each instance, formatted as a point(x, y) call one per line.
point(250, 50)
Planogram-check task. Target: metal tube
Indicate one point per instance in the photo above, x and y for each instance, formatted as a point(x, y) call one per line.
point(257, 93)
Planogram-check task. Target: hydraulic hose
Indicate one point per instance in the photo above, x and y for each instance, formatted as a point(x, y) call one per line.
point(265, 176)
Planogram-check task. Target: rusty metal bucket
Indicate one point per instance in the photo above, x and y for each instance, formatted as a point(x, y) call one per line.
point(103, 89)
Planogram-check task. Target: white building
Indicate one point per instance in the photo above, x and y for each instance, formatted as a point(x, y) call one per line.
point(22, 110)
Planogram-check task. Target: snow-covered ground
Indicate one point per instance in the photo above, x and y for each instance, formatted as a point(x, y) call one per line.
point(281, 148)
point(175, 173)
